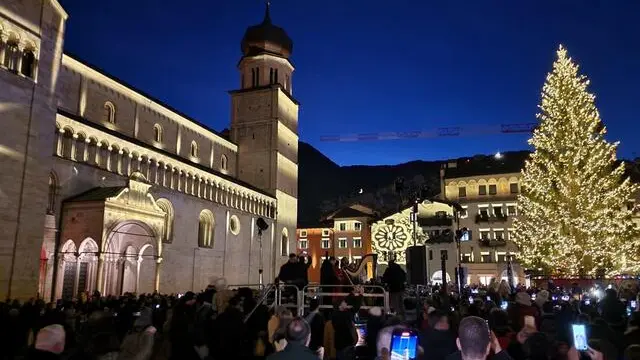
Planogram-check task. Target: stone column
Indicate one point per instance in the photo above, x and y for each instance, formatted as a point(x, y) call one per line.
point(157, 278)
point(85, 151)
point(73, 140)
point(138, 265)
point(59, 140)
point(101, 269)
point(119, 163)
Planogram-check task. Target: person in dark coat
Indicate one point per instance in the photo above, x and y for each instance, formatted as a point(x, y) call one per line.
point(437, 339)
point(395, 279)
point(328, 277)
point(316, 321)
point(298, 336)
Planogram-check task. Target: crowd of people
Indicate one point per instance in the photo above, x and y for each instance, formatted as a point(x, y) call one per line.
point(494, 322)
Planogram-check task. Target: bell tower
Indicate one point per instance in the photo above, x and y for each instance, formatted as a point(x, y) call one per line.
point(264, 125)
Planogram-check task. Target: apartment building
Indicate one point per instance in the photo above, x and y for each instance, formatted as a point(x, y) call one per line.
point(345, 232)
point(487, 195)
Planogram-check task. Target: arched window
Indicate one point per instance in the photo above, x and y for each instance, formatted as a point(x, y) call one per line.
point(205, 229)
point(109, 114)
point(53, 190)
point(28, 63)
point(223, 162)
point(11, 54)
point(167, 207)
point(194, 149)
point(157, 133)
point(284, 242)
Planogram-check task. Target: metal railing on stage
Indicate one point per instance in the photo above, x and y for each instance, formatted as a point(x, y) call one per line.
point(311, 291)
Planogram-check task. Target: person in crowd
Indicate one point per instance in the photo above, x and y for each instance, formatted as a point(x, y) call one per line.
point(304, 263)
point(612, 309)
point(438, 338)
point(280, 315)
point(328, 277)
point(375, 323)
point(291, 272)
point(49, 343)
point(203, 324)
point(632, 334)
point(297, 336)
point(521, 309)
point(345, 334)
point(316, 321)
point(139, 342)
point(231, 333)
point(394, 277)
point(632, 352)
point(181, 336)
point(499, 324)
point(475, 340)
point(101, 338)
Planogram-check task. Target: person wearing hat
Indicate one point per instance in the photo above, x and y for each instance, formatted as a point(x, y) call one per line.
point(138, 344)
point(49, 343)
point(523, 309)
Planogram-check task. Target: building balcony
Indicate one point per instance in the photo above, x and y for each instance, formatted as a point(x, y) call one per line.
point(492, 242)
point(435, 221)
point(480, 218)
point(445, 238)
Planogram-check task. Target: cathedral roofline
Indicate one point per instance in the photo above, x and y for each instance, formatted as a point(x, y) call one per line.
point(147, 96)
point(176, 157)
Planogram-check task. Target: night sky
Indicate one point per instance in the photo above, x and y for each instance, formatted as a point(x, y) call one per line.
point(367, 66)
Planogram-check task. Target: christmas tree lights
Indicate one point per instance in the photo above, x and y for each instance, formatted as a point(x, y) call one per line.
point(573, 218)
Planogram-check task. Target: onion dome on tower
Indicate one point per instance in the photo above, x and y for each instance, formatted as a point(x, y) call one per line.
point(266, 38)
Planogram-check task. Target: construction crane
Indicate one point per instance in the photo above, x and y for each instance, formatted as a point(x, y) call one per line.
point(442, 132)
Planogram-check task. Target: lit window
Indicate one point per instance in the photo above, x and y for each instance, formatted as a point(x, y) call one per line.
point(484, 234)
point(512, 210)
point(466, 258)
point(357, 226)
point(325, 232)
point(498, 234)
point(205, 229)
point(284, 242)
point(109, 113)
point(482, 190)
point(357, 243)
point(342, 226)
point(194, 149)
point(302, 244)
point(325, 243)
point(303, 233)
point(464, 213)
point(497, 211)
point(342, 243)
point(485, 257)
point(462, 191)
point(157, 133)
point(493, 189)
point(513, 187)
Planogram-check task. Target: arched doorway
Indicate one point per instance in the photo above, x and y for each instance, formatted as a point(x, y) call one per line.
point(69, 263)
point(130, 259)
point(87, 265)
point(147, 270)
point(436, 278)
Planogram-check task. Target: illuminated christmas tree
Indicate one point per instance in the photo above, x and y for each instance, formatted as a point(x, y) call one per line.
point(573, 217)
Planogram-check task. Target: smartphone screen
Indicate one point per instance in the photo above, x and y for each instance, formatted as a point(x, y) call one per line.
point(488, 298)
point(587, 301)
point(579, 337)
point(361, 329)
point(530, 321)
point(633, 304)
point(470, 299)
point(404, 345)
point(504, 305)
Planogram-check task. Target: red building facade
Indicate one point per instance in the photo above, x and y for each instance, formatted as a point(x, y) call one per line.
point(347, 233)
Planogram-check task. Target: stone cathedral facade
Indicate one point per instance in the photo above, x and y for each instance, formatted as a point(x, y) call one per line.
point(106, 188)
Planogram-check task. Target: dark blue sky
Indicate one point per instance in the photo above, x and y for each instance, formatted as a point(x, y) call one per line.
point(376, 66)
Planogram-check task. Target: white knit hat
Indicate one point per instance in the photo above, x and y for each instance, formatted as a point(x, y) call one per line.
point(51, 339)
